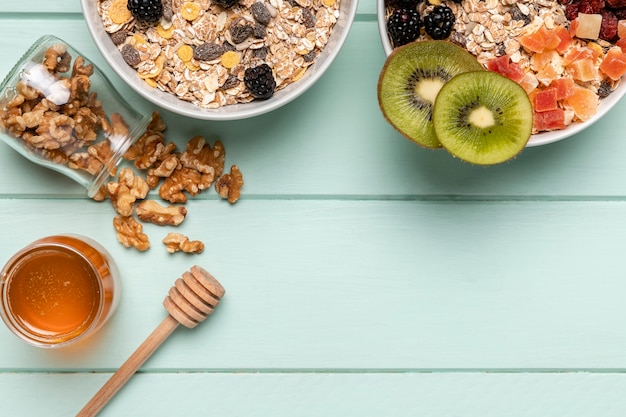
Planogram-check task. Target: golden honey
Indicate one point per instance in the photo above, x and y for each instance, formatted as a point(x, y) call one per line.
point(58, 290)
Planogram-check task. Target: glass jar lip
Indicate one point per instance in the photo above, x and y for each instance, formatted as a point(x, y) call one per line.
point(5, 306)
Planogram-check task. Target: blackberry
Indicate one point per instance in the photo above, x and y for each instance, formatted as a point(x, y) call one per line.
point(260, 81)
point(404, 26)
point(439, 23)
point(149, 11)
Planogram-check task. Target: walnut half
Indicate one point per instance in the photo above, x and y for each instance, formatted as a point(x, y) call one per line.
point(175, 242)
point(130, 233)
point(153, 212)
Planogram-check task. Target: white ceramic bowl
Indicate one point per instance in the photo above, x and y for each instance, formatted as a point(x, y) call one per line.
point(540, 138)
point(233, 112)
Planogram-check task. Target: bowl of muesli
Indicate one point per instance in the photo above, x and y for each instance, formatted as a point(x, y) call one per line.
point(569, 55)
point(219, 59)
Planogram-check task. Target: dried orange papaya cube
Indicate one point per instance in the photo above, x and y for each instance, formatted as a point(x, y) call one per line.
point(563, 87)
point(549, 120)
point(545, 100)
point(565, 39)
point(583, 102)
point(583, 70)
point(614, 63)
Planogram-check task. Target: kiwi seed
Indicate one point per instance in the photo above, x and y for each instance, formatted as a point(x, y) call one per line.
point(483, 117)
point(410, 80)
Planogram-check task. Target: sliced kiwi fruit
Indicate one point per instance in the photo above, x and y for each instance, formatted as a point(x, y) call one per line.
point(483, 117)
point(409, 82)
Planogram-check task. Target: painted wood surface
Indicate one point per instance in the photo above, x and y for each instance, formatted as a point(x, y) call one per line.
point(364, 275)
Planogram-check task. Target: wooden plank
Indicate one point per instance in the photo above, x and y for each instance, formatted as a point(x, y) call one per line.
point(324, 394)
point(318, 284)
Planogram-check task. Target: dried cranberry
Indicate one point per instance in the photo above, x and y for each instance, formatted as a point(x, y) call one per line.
point(571, 11)
point(620, 13)
point(608, 30)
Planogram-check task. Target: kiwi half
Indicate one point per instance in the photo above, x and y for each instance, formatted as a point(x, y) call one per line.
point(483, 117)
point(410, 80)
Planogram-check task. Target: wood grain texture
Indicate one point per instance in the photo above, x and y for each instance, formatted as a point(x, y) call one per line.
point(331, 395)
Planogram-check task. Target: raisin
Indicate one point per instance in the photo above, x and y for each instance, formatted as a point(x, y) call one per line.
point(308, 18)
point(231, 82)
point(207, 52)
point(260, 13)
point(130, 55)
point(239, 33)
point(118, 37)
point(604, 90)
point(259, 31)
point(261, 52)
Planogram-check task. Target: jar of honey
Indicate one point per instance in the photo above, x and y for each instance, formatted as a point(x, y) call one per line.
point(58, 290)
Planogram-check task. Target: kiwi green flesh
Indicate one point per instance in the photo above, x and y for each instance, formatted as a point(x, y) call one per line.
point(483, 117)
point(410, 80)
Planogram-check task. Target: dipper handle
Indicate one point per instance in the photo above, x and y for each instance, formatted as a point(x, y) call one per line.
point(192, 298)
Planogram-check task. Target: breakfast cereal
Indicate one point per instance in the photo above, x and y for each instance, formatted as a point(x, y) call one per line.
point(199, 50)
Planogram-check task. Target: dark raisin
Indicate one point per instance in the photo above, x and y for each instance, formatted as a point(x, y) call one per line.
point(309, 56)
point(604, 90)
point(516, 14)
point(231, 82)
point(226, 3)
point(130, 55)
point(207, 52)
point(227, 46)
point(260, 13)
point(308, 18)
point(259, 31)
point(118, 37)
point(261, 52)
point(239, 33)
point(168, 13)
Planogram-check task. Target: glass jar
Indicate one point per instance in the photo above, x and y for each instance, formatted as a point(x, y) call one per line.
point(58, 290)
point(59, 110)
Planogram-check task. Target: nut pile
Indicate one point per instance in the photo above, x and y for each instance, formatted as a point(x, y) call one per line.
point(67, 124)
point(200, 50)
point(177, 175)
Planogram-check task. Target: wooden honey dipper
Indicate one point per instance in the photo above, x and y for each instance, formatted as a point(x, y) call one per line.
point(192, 298)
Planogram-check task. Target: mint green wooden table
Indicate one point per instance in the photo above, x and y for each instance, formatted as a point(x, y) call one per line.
point(365, 276)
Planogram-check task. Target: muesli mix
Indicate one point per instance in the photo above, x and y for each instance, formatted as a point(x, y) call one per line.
point(71, 134)
point(567, 54)
point(214, 53)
